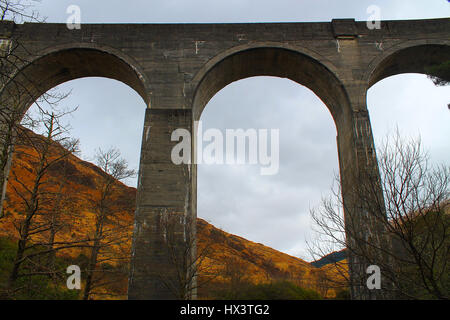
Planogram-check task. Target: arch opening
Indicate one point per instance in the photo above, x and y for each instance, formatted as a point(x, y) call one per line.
point(274, 62)
point(308, 160)
point(99, 120)
point(270, 210)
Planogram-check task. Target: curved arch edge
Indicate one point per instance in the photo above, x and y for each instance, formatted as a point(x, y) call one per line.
point(140, 85)
point(331, 89)
point(376, 64)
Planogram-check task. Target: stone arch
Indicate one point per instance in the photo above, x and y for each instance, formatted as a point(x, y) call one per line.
point(271, 60)
point(412, 56)
point(407, 57)
point(356, 154)
point(57, 65)
point(38, 73)
point(254, 45)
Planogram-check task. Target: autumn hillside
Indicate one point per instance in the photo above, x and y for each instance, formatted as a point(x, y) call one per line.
point(230, 257)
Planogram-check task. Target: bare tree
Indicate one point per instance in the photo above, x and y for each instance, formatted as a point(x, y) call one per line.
point(414, 215)
point(186, 261)
point(19, 11)
point(17, 92)
point(61, 215)
point(110, 230)
point(36, 230)
point(329, 235)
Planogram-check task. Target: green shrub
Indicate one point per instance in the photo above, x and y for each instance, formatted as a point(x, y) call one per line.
point(279, 290)
point(32, 287)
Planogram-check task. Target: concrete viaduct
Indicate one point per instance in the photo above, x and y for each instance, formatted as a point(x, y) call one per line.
point(177, 68)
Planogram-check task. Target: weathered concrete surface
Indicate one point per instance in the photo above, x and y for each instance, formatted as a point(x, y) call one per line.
point(177, 68)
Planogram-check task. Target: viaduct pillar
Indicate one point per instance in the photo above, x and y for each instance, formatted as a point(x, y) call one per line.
point(164, 229)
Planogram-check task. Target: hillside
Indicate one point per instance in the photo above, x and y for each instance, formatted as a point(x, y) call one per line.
point(230, 257)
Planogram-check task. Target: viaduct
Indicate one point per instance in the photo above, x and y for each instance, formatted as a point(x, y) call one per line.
point(177, 69)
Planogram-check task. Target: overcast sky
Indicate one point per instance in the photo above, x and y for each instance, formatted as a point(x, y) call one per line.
point(273, 210)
